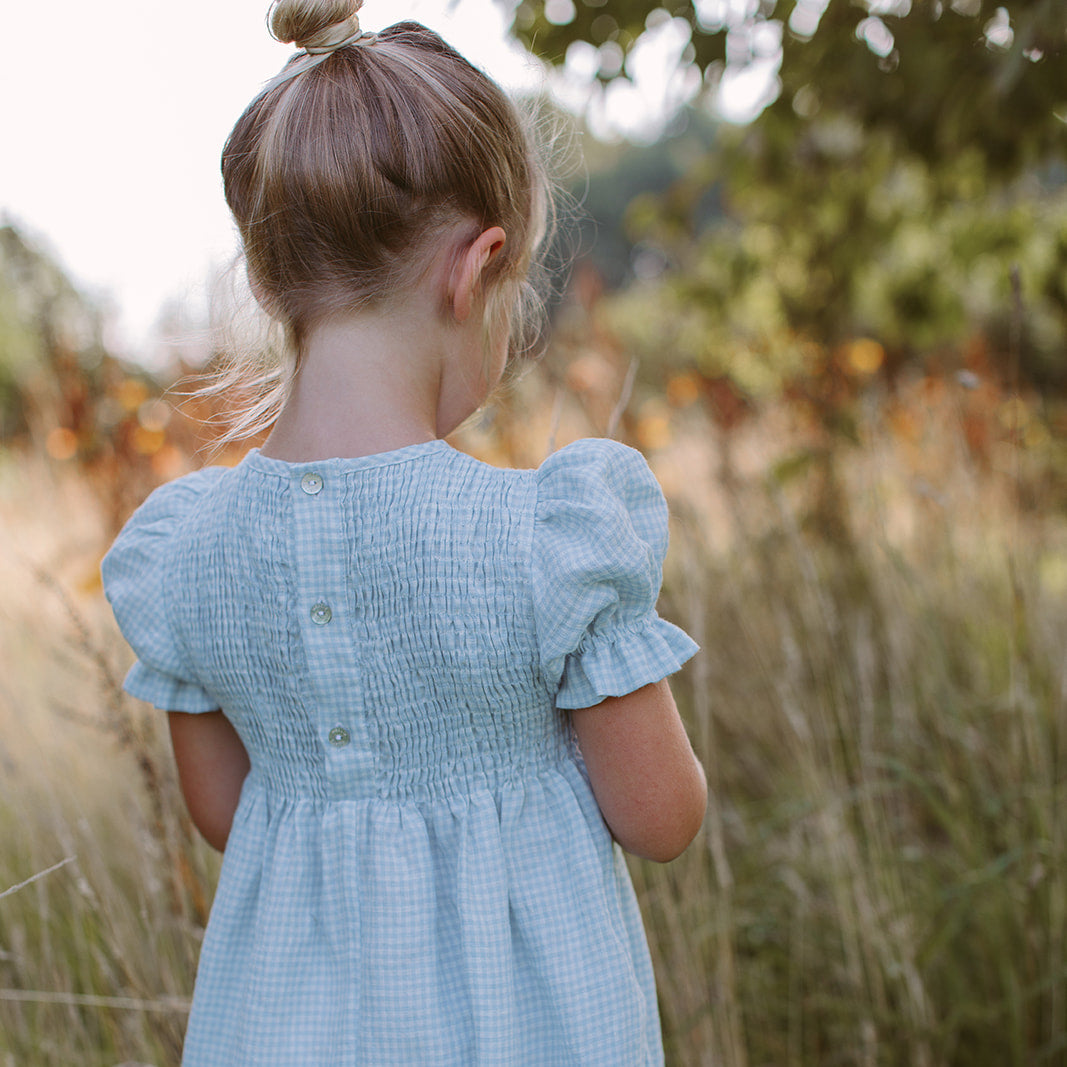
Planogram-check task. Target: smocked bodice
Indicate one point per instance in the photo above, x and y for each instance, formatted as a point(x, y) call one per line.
point(395, 658)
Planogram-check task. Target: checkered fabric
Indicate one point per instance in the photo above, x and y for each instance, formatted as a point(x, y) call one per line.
point(417, 873)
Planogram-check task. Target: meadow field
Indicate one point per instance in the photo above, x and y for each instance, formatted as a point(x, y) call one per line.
point(833, 319)
point(880, 706)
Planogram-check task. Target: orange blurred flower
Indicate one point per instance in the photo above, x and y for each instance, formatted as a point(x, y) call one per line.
point(61, 443)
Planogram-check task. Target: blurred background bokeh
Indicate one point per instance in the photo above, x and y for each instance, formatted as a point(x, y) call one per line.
point(812, 261)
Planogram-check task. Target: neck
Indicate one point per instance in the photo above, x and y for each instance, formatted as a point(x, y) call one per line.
point(366, 383)
point(380, 380)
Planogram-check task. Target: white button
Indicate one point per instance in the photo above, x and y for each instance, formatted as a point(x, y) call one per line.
point(311, 483)
point(339, 737)
point(321, 613)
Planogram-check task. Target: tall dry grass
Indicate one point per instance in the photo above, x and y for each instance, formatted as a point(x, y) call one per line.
point(881, 878)
point(103, 892)
point(881, 708)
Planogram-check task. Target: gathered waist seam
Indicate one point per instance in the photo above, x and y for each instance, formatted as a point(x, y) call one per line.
point(444, 788)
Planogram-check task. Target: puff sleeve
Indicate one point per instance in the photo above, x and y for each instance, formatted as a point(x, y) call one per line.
point(136, 582)
point(599, 540)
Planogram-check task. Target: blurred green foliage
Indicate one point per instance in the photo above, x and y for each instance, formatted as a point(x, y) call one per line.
point(940, 77)
point(912, 159)
point(65, 395)
point(51, 341)
point(622, 182)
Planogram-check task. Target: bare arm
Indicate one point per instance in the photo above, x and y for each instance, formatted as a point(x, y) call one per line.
point(649, 784)
point(212, 765)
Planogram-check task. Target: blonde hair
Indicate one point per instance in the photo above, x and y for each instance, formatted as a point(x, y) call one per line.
point(343, 172)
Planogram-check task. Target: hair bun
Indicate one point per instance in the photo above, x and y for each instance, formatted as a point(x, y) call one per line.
point(302, 22)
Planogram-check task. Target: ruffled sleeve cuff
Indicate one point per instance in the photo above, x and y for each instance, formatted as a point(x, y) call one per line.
point(621, 660)
point(166, 692)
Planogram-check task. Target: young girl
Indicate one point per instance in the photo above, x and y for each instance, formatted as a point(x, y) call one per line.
point(412, 696)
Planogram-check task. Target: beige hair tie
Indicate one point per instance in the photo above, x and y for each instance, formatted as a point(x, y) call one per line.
point(336, 36)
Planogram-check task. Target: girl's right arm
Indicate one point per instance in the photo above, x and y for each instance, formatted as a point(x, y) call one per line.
point(212, 766)
point(648, 782)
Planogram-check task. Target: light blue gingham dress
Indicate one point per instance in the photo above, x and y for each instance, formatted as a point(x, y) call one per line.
point(418, 873)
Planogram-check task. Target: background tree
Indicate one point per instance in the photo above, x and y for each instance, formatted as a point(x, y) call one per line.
point(911, 156)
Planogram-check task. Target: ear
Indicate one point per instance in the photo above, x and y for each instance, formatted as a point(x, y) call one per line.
point(259, 293)
point(467, 272)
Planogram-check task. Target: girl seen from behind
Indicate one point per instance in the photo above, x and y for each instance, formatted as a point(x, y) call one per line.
point(414, 697)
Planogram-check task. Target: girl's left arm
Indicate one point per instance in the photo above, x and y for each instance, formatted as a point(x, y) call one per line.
point(212, 766)
point(650, 786)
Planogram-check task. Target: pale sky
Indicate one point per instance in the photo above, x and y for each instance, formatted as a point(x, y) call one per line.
point(115, 115)
point(114, 119)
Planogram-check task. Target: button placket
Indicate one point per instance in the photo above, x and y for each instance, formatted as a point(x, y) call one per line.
point(322, 584)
